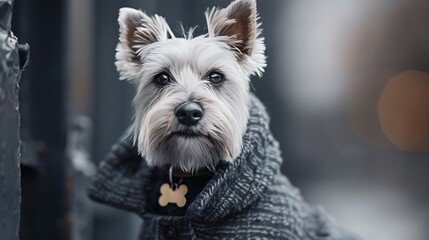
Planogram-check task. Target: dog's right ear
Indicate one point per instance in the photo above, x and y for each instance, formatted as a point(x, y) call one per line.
point(136, 31)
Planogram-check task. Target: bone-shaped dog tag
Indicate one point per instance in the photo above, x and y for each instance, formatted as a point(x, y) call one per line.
point(168, 195)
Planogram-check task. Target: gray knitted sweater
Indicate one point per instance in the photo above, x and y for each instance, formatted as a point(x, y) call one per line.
point(246, 199)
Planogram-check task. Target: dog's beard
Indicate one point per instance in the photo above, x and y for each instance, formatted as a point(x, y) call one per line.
point(164, 142)
point(188, 152)
point(183, 149)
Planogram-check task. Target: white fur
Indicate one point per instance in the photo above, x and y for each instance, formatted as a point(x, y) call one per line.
point(189, 60)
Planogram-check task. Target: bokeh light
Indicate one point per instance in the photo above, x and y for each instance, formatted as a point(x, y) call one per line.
point(403, 110)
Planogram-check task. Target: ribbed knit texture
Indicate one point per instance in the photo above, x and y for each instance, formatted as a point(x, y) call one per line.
point(246, 199)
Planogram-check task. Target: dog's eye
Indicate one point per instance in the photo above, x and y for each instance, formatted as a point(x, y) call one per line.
point(162, 79)
point(215, 77)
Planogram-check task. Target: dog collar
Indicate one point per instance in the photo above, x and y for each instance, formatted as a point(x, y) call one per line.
point(181, 174)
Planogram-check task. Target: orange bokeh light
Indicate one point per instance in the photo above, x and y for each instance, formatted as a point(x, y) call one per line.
point(403, 111)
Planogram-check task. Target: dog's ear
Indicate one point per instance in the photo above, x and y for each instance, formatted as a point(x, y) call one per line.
point(238, 23)
point(136, 31)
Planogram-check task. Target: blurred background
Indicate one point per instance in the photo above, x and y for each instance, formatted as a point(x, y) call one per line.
point(347, 88)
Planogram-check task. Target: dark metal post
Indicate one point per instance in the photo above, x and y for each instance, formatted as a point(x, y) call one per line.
point(12, 59)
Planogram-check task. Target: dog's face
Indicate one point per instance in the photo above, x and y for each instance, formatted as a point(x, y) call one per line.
point(191, 105)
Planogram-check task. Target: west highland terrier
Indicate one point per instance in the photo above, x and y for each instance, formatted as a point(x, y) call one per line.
point(199, 161)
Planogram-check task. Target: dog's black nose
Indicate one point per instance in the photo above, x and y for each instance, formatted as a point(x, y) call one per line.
point(189, 113)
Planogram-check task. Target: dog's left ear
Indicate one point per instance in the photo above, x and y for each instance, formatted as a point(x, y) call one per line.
point(238, 23)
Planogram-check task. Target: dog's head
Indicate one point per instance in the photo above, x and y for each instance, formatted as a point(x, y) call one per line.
point(191, 104)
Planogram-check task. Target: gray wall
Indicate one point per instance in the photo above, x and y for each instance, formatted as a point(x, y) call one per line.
point(327, 66)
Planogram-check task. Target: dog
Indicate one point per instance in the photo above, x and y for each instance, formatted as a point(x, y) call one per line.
point(199, 161)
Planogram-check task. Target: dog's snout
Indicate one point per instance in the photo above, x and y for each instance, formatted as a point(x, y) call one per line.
point(189, 113)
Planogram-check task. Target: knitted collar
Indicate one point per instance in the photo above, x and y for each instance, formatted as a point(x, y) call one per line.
point(122, 177)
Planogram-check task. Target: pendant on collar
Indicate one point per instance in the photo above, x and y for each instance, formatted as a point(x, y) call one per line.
point(173, 192)
point(170, 195)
